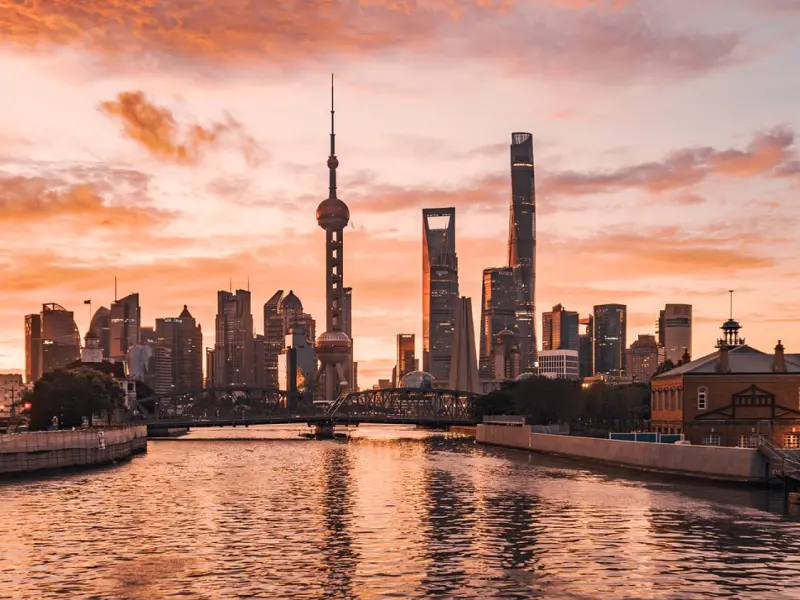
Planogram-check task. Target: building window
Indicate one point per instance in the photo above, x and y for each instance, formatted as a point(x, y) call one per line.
point(712, 439)
point(680, 399)
point(750, 440)
point(702, 398)
point(653, 401)
point(791, 441)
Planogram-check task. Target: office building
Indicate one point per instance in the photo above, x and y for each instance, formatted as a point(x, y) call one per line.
point(406, 356)
point(522, 245)
point(464, 358)
point(560, 329)
point(585, 351)
point(609, 337)
point(234, 362)
point(643, 358)
point(282, 315)
point(184, 337)
point(559, 364)
point(100, 326)
point(439, 290)
point(505, 356)
point(52, 341)
point(297, 364)
point(675, 331)
point(498, 313)
point(125, 321)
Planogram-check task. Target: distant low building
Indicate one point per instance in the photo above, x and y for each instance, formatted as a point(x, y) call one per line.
point(643, 358)
point(559, 364)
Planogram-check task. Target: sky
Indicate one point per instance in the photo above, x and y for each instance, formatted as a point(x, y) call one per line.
point(179, 146)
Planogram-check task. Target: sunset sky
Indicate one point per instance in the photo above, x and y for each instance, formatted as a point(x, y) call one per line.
point(177, 144)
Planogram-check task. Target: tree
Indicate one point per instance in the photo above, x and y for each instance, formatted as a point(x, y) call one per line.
point(72, 395)
point(665, 366)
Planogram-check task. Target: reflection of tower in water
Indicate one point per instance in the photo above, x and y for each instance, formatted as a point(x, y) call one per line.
point(338, 556)
point(333, 346)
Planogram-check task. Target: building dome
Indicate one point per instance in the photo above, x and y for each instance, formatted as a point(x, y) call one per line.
point(290, 302)
point(524, 376)
point(333, 347)
point(332, 213)
point(417, 380)
point(505, 336)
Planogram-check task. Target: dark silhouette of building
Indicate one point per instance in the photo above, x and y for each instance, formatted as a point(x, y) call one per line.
point(406, 355)
point(52, 341)
point(585, 350)
point(33, 348)
point(522, 245)
point(560, 329)
point(439, 290)
point(675, 331)
point(333, 347)
point(609, 339)
point(498, 313)
point(125, 322)
point(100, 327)
point(283, 314)
point(184, 337)
point(643, 358)
point(505, 356)
point(234, 362)
point(464, 360)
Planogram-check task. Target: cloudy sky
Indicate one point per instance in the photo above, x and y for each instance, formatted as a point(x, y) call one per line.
point(178, 144)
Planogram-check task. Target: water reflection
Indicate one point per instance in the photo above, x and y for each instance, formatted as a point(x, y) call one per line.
point(388, 514)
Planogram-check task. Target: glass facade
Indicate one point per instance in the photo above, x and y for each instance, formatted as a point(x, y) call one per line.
point(498, 312)
point(609, 339)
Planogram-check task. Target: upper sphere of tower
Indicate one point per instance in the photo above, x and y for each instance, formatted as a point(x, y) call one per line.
point(332, 213)
point(333, 162)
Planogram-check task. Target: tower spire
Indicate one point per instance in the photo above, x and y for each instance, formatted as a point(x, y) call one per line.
point(333, 162)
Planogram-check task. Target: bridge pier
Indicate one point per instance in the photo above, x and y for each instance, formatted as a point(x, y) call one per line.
point(323, 431)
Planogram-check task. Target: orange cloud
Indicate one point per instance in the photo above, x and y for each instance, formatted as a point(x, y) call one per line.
point(155, 129)
point(550, 37)
point(28, 201)
point(770, 153)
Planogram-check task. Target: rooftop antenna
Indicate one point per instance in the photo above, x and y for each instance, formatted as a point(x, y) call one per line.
point(731, 293)
point(230, 285)
point(115, 289)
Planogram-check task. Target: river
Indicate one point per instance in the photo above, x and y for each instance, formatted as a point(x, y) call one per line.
point(390, 513)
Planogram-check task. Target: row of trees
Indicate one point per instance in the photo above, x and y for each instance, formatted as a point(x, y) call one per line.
point(70, 395)
point(594, 410)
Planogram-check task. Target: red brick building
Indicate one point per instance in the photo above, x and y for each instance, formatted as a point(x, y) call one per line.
point(731, 397)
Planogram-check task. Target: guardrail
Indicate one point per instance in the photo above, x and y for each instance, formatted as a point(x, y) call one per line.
point(511, 420)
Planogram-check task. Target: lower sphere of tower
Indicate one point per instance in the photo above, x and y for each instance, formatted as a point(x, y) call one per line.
point(333, 347)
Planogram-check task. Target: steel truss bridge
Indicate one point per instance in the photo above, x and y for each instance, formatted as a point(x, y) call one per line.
point(243, 406)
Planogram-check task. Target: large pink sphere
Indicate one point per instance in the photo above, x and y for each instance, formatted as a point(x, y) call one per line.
point(333, 347)
point(332, 213)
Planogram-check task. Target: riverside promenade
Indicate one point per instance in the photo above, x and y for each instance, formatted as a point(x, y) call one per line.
point(745, 465)
point(47, 450)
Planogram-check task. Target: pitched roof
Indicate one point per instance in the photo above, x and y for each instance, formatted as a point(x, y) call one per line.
point(185, 314)
point(742, 359)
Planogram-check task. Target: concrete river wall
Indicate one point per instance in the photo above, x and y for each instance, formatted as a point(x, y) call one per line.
point(707, 462)
point(42, 450)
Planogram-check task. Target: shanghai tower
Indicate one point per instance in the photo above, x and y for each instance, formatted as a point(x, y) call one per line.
point(522, 246)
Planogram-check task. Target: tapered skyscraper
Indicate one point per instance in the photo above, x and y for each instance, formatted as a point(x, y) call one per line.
point(522, 246)
point(439, 291)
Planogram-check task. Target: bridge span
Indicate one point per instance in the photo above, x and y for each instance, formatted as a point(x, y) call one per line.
point(236, 406)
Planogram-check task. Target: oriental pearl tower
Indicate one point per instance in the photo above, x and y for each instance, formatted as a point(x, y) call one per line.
point(333, 346)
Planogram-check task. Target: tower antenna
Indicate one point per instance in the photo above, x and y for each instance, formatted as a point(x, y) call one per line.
point(230, 285)
point(731, 293)
point(115, 289)
point(333, 162)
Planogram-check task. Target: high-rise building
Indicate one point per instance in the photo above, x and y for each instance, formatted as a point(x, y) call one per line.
point(100, 326)
point(439, 290)
point(585, 350)
point(609, 339)
point(406, 356)
point(464, 358)
point(522, 245)
point(184, 337)
point(498, 313)
point(297, 363)
point(333, 347)
point(33, 348)
point(675, 331)
point(505, 356)
point(125, 322)
point(560, 329)
point(233, 348)
point(347, 327)
point(282, 315)
point(643, 358)
point(52, 341)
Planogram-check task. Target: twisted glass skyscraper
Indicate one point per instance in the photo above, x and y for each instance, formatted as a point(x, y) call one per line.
point(522, 246)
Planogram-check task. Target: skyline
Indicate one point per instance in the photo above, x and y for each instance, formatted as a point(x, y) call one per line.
point(675, 200)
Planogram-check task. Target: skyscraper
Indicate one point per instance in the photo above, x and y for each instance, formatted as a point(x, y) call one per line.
point(33, 348)
point(184, 337)
point(609, 339)
point(125, 321)
point(522, 245)
point(333, 346)
point(560, 329)
point(464, 359)
point(585, 351)
point(498, 312)
point(675, 331)
point(233, 347)
point(643, 358)
point(101, 328)
point(273, 338)
point(439, 290)
point(347, 327)
point(406, 345)
point(51, 341)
